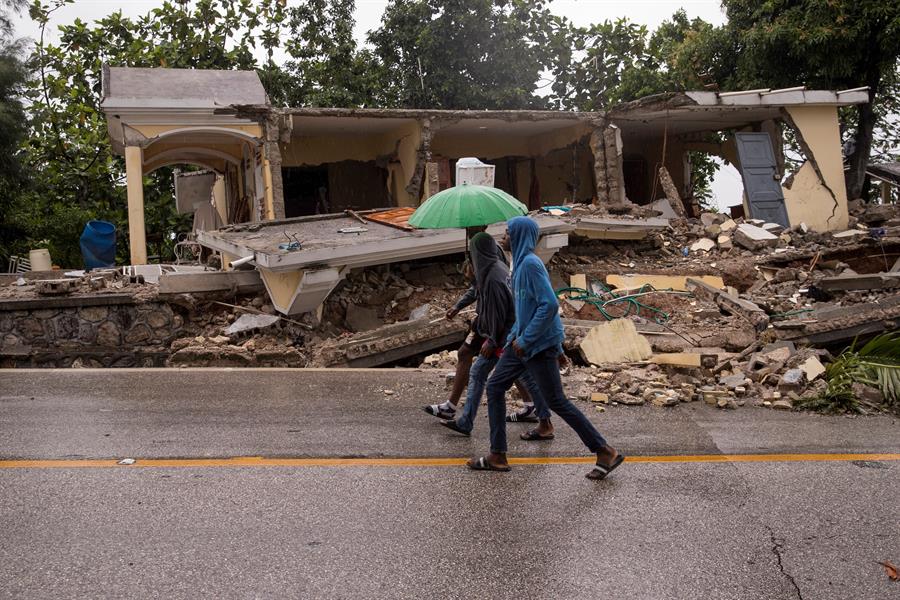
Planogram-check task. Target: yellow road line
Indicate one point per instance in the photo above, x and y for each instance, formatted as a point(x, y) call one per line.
point(259, 461)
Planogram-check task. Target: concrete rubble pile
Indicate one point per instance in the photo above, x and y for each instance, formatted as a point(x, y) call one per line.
point(788, 299)
point(657, 311)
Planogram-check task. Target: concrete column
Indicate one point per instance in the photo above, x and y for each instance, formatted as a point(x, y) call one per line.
point(134, 175)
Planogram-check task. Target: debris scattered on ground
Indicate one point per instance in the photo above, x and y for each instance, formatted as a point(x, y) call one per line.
point(658, 311)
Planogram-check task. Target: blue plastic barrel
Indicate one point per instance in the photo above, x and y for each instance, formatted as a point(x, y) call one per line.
point(98, 245)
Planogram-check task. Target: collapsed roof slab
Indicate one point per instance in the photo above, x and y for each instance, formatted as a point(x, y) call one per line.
point(697, 112)
point(299, 280)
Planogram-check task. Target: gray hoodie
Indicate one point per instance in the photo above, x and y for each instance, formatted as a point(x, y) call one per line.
point(495, 306)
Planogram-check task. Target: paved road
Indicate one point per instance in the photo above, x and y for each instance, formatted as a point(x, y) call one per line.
point(679, 529)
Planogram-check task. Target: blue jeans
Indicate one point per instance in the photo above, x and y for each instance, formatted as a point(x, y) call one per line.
point(544, 369)
point(478, 375)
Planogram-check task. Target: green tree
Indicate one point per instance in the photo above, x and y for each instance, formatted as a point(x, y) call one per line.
point(460, 54)
point(326, 68)
point(602, 65)
point(12, 130)
point(79, 177)
point(830, 44)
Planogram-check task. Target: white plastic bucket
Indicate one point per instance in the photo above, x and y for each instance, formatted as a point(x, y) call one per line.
point(40, 260)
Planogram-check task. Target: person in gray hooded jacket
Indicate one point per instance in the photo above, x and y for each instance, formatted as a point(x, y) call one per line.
point(495, 309)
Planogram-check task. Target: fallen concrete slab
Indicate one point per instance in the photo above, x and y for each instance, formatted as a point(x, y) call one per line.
point(873, 281)
point(241, 282)
point(394, 342)
point(302, 260)
point(661, 282)
point(843, 324)
point(619, 229)
point(729, 303)
point(754, 238)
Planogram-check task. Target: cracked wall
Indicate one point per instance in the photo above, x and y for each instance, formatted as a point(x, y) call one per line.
point(816, 193)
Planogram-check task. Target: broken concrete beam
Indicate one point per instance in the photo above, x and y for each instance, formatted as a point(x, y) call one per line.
point(850, 233)
point(843, 324)
point(754, 238)
point(661, 282)
point(614, 342)
point(672, 195)
point(240, 282)
point(619, 229)
point(392, 342)
point(873, 281)
point(729, 303)
point(686, 359)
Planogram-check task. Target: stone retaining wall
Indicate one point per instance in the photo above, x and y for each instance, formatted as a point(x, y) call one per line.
point(102, 335)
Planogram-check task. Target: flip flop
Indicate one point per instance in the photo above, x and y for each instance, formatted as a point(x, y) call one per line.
point(482, 464)
point(532, 435)
point(528, 417)
point(602, 471)
point(452, 425)
point(436, 411)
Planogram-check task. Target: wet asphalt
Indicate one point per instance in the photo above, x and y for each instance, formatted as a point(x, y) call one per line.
point(654, 530)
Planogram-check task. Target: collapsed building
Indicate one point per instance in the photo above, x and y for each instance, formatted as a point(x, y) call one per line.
point(306, 210)
point(274, 164)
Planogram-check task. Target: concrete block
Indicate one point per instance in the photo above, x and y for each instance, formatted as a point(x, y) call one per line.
point(614, 342)
point(813, 368)
point(754, 238)
point(703, 245)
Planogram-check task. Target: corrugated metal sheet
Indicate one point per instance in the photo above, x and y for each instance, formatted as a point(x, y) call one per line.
point(396, 217)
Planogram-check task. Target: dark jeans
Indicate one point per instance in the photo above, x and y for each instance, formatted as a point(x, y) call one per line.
point(544, 369)
point(477, 378)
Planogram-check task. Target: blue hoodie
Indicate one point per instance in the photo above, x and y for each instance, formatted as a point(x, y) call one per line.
point(537, 324)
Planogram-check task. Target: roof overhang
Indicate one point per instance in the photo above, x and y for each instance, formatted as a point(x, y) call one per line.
point(695, 112)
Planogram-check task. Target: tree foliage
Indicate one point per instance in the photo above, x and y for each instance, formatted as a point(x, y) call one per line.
point(459, 54)
point(823, 44)
point(80, 177)
point(12, 126)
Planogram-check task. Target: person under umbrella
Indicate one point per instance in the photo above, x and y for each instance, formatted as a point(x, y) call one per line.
point(494, 318)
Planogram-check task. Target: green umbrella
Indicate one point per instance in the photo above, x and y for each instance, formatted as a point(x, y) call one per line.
point(466, 206)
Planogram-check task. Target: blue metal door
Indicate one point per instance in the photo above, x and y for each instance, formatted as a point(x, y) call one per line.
point(765, 198)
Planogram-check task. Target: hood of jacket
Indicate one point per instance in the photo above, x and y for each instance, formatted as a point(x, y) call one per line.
point(523, 236)
point(486, 261)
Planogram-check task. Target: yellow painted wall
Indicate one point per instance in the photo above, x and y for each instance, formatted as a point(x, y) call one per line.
point(808, 201)
point(487, 145)
point(555, 175)
point(152, 131)
point(560, 138)
point(311, 151)
point(282, 286)
point(219, 197)
point(651, 151)
point(319, 150)
point(820, 130)
point(161, 146)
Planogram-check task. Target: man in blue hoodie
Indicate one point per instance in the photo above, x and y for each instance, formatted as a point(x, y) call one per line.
point(534, 344)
